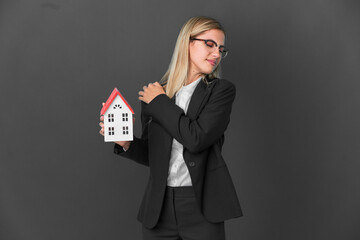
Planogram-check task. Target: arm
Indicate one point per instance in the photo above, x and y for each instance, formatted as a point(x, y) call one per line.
point(195, 135)
point(138, 150)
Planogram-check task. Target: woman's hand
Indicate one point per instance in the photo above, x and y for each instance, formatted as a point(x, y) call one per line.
point(124, 144)
point(150, 92)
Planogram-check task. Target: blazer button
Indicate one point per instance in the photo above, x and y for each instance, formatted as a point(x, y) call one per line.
point(191, 164)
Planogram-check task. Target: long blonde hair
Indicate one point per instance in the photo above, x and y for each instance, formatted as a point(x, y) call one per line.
point(176, 75)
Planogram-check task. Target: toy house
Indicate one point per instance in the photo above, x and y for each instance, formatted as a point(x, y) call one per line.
point(118, 118)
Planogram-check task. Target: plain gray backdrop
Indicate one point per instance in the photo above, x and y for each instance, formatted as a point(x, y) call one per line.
point(292, 147)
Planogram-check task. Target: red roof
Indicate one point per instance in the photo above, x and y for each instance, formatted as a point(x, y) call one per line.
point(114, 93)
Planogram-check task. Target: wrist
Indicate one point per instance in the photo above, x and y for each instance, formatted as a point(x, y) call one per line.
point(126, 146)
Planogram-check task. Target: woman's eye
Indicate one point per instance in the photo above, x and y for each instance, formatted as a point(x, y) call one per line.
point(210, 44)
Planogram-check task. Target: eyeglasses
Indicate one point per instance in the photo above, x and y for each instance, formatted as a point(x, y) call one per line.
point(212, 44)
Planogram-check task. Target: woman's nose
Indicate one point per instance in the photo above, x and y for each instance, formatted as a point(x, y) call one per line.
point(216, 53)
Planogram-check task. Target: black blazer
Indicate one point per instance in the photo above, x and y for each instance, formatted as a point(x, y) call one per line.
point(201, 132)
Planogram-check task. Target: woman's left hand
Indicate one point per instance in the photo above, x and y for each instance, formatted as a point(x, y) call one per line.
point(151, 91)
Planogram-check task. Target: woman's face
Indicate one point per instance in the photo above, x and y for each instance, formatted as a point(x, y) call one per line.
point(202, 58)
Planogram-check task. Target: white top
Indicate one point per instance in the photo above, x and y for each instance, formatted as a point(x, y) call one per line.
point(178, 171)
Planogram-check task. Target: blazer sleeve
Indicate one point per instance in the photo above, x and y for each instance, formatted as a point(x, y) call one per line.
point(195, 135)
point(138, 150)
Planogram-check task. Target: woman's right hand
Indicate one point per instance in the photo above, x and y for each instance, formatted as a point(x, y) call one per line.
point(124, 144)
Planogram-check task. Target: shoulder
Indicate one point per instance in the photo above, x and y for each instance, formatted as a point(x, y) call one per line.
point(222, 85)
point(225, 83)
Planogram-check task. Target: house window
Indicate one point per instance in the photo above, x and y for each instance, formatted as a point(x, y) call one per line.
point(111, 131)
point(111, 117)
point(126, 130)
point(117, 106)
point(125, 117)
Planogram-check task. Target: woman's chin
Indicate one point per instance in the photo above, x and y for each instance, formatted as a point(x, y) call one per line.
point(208, 71)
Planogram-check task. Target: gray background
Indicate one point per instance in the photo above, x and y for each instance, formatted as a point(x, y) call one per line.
point(292, 146)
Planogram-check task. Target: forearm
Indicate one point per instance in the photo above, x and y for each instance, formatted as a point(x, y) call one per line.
point(195, 134)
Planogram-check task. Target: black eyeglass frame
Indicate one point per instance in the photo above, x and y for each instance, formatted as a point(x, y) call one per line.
point(223, 51)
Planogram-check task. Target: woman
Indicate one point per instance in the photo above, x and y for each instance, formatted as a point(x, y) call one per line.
point(190, 193)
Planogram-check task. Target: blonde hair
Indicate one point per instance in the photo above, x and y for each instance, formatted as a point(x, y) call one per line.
point(176, 75)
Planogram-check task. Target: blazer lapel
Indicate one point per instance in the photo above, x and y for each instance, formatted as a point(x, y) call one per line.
point(198, 98)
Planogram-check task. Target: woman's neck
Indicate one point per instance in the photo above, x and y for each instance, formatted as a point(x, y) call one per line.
point(193, 77)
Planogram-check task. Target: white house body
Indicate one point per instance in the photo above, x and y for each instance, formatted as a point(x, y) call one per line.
point(118, 119)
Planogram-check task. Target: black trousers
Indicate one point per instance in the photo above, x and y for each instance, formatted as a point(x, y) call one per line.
point(181, 219)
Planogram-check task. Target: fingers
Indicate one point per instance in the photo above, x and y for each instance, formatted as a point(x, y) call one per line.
point(155, 84)
point(150, 91)
point(101, 124)
point(102, 117)
point(142, 99)
point(141, 95)
point(150, 84)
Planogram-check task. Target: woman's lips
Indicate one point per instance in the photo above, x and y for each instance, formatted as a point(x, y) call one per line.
point(212, 62)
